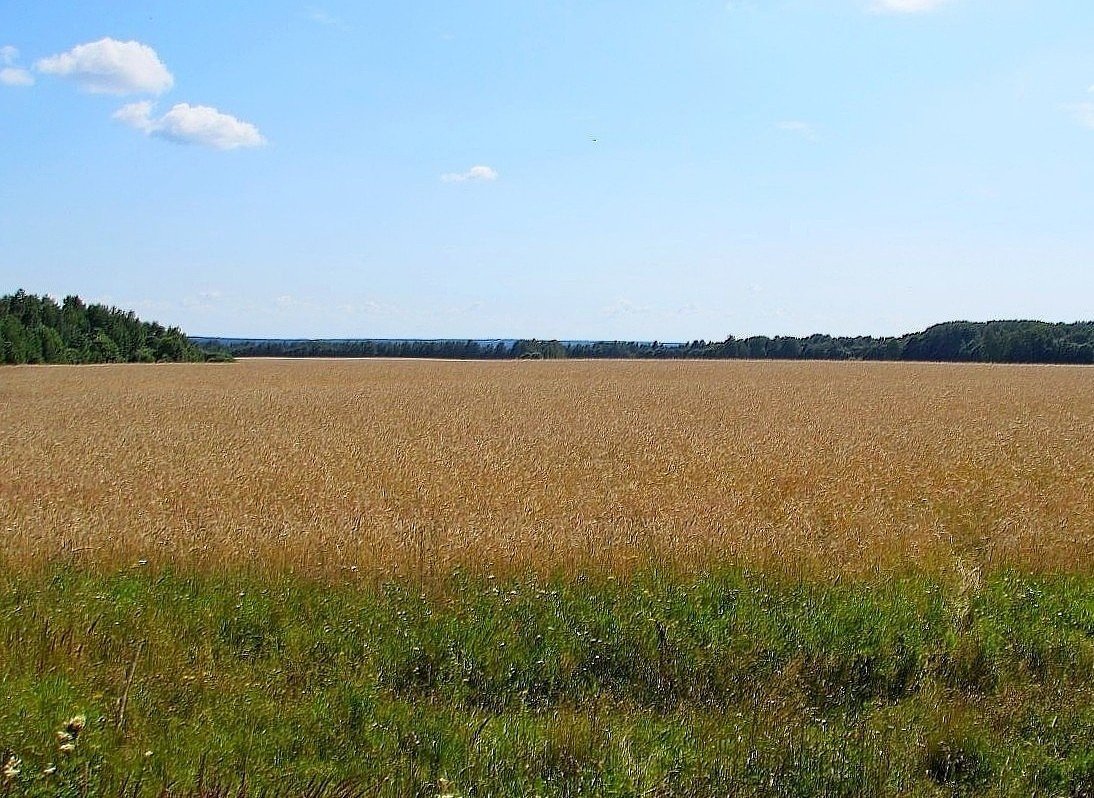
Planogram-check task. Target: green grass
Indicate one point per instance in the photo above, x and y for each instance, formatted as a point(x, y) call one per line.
point(726, 683)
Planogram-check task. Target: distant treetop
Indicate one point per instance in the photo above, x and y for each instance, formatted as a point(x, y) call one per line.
point(955, 341)
point(36, 329)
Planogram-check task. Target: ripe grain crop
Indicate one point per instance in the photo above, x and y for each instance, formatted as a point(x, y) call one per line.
point(383, 468)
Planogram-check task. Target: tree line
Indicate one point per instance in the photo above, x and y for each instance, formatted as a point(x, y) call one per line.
point(958, 341)
point(36, 329)
point(448, 349)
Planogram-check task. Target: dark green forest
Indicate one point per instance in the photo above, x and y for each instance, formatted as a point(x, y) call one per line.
point(958, 341)
point(36, 329)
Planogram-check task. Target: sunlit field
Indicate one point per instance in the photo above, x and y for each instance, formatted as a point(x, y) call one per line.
point(351, 578)
point(414, 468)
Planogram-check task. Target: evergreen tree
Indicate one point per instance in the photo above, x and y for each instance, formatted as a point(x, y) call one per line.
point(37, 330)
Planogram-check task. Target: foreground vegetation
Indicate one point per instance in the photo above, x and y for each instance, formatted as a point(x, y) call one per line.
point(725, 683)
point(629, 579)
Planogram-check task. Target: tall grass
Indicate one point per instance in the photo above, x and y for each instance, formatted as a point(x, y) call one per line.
point(728, 683)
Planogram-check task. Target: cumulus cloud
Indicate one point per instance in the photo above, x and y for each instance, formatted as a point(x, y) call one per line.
point(109, 66)
point(475, 173)
point(9, 55)
point(14, 76)
point(192, 124)
point(907, 6)
point(138, 115)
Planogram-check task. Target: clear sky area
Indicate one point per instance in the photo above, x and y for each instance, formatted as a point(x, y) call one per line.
point(551, 168)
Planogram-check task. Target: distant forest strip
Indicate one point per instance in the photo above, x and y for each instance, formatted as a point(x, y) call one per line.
point(959, 341)
point(36, 329)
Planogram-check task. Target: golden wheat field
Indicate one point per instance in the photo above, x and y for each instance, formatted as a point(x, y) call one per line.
point(411, 467)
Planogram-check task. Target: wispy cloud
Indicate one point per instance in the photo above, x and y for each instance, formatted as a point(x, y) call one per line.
point(288, 303)
point(797, 127)
point(204, 301)
point(321, 17)
point(906, 6)
point(475, 173)
point(14, 76)
point(368, 307)
point(109, 66)
point(625, 307)
point(1083, 113)
point(11, 74)
point(192, 124)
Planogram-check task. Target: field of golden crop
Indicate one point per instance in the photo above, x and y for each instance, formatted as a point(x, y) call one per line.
point(382, 467)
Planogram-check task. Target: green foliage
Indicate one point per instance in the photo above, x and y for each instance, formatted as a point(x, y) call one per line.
point(538, 350)
point(962, 341)
point(724, 683)
point(36, 329)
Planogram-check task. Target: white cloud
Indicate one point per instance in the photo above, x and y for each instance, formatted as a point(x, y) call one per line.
point(289, 302)
point(111, 67)
point(138, 115)
point(14, 76)
point(477, 173)
point(803, 129)
point(1083, 113)
point(192, 124)
point(624, 307)
point(368, 307)
point(204, 301)
point(907, 6)
point(322, 17)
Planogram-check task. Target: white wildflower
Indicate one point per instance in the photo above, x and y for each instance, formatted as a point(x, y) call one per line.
point(11, 769)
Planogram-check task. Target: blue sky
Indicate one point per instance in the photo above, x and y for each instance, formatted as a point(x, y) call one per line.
point(555, 169)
